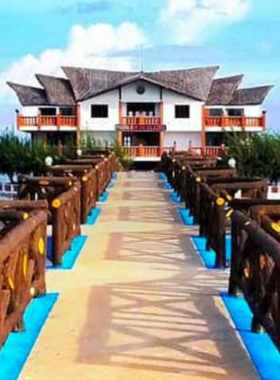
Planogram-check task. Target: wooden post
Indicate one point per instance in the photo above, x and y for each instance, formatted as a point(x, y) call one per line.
point(263, 121)
point(161, 143)
point(243, 121)
point(203, 133)
point(78, 134)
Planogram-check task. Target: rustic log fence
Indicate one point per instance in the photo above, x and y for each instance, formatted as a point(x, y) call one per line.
point(217, 204)
point(255, 270)
point(63, 196)
point(88, 178)
point(22, 261)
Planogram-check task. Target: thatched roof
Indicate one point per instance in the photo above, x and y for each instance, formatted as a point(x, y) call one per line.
point(59, 91)
point(87, 83)
point(30, 96)
point(223, 90)
point(250, 96)
point(83, 84)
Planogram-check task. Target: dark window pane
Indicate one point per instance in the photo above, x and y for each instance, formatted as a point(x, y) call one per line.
point(47, 111)
point(216, 112)
point(67, 111)
point(182, 112)
point(235, 111)
point(99, 111)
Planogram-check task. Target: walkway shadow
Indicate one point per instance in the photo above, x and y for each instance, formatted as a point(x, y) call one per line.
point(161, 326)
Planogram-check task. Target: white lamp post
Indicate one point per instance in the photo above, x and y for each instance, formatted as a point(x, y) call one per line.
point(79, 152)
point(49, 161)
point(232, 163)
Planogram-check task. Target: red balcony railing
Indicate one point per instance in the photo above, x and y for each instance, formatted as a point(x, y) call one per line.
point(142, 151)
point(229, 121)
point(141, 120)
point(47, 121)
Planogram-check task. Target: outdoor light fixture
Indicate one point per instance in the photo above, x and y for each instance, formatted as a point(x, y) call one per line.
point(232, 163)
point(79, 152)
point(49, 161)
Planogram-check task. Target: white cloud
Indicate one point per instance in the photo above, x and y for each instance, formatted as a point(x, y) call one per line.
point(193, 21)
point(96, 47)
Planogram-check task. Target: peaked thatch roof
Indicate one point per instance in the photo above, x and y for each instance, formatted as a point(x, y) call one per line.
point(87, 83)
point(30, 96)
point(59, 91)
point(250, 96)
point(223, 89)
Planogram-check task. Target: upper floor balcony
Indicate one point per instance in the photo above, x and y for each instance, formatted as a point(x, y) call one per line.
point(226, 122)
point(42, 122)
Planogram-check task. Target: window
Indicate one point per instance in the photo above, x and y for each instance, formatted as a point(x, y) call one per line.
point(47, 111)
point(238, 112)
point(99, 111)
point(216, 112)
point(182, 112)
point(67, 111)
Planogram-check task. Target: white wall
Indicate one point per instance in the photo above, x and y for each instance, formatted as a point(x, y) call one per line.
point(194, 123)
point(151, 95)
point(250, 111)
point(99, 124)
point(182, 139)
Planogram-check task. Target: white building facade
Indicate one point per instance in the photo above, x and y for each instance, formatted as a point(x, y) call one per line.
point(145, 112)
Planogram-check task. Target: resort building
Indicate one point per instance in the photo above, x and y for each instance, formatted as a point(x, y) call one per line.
point(146, 111)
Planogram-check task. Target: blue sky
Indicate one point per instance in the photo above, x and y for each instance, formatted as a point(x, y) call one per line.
point(242, 36)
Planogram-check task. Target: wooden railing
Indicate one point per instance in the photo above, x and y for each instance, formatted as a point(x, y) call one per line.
point(209, 151)
point(141, 120)
point(22, 263)
point(47, 121)
point(142, 151)
point(255, 271)
point(63, 196)
point(229, 121)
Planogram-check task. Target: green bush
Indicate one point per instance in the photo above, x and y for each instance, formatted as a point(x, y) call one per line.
point(257, 155)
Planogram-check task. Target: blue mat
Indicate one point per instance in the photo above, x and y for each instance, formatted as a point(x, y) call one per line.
point(104, 197)
point(167, 186)
point(163, 176)
point(208, 257)
point(262, 350)
point(93, 216)
point(186, 218)
point(175, 198)
point(18, 346)
point(111, 185)
point(70, 257)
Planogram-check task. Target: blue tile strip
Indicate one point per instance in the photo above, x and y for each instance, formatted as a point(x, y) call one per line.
point(115, 176)
point(18, 346)
point(111, 185)
point(104, 197)
point(167, 186)
point(175, 198)
point(93, 216)
point(70, 257)
point(186, 218)
point(260, 347)
point(208, 257)
point(163, 177)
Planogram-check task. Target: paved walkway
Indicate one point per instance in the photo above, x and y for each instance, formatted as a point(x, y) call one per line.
point(138, 304)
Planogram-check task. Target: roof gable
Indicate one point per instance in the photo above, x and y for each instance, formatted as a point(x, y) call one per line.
point(223, 89)
point(250, 96)
point(29, 96)
point(58, 90)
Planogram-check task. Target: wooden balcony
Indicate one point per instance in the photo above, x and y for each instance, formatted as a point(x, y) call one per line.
point(243, 122)
point(47, 121)
point(142, 151)
point(141, 124)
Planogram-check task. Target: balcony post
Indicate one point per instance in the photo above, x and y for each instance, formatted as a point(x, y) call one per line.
point(243, 121)
point(18, 120)
point(263, 120)
point(203, 133)
point(161, 115)
point(39, 121)
point(160, 143)
point(58, 121)
point(78, 133)
point(223, 121)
